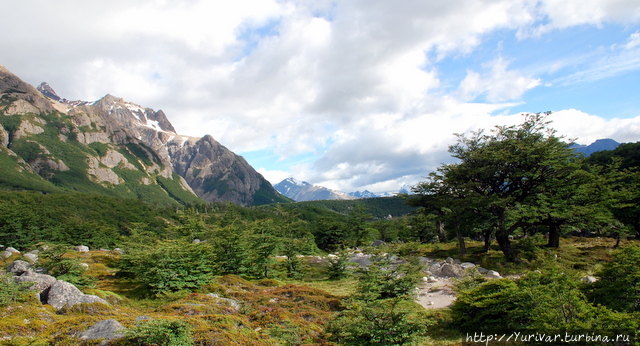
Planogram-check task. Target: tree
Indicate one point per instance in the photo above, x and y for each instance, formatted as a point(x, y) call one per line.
point(356, 224)
point(501, 173)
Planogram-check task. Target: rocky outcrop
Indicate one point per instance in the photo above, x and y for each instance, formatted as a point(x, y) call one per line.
point(27, 99)
point(65, 295)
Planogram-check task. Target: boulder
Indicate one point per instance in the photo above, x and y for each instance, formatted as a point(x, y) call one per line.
point(107, 329)
point(63, 294)
point(18, 267)
point(5, 254)
point(41, 282)
point(82, 248)
point(33, 258)
point(452, 270)
point(12, 250)
point(449, 260)
point(482, 270)
point(493, 274)
point(467, 265)
point(378, 243)
point(435, 268)
point(362, 259)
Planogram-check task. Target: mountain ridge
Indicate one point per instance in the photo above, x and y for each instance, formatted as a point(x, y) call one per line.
point(115, 147)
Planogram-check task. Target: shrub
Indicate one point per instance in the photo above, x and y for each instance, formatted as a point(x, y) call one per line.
point(378, 322)
point(619, 284)
point(11, 291)
point(160, 332)
point(338, 267)
point(383, 279)
point(168, 265)
point(543, 301)
point(63, 267)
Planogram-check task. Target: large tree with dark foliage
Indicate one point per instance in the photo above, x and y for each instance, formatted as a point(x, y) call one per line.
point(520, 176)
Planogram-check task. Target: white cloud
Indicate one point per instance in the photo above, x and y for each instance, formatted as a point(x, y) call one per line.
point(498, 84)
point(356, 83)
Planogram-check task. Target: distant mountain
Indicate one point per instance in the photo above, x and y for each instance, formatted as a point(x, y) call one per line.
point(598, 145)
point(113, 147)
point(363, 194)
point(301, 191)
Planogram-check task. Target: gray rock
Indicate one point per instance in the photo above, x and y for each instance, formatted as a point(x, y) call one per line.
point(449, 260)
point(63, 294)
point(41, 283)
point(5, 254)
point(435, 268)
point(467, 265)
point(493, 274)
point(362, 259)
point(589, 279)
point(378, 243)
point(107, 329)
point(456, 261)
point(452, 270)
point(32, 257)
point(482, 270)
point(234, 304)
point(82, 248)
point(18, 267)
point(12, 250)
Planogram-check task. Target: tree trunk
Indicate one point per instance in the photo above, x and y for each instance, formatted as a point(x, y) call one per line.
point(505, 245)
point(554, 235)
point(461, 245)
point(487, 240)
point(440, 229)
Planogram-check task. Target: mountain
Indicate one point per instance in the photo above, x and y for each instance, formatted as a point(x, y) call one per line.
point(113, 147)
point(598, 145)
point(301, 191)
point(363, 194)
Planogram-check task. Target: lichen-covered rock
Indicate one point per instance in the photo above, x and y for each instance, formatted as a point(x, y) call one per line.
point(41, 282)
point(18, 267)
point(107, 330)
point(65, 295)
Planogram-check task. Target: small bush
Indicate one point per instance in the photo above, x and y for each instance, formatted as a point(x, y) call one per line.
point(11, 291)
point(169, 266)
point(160, 332)
point(619, 284)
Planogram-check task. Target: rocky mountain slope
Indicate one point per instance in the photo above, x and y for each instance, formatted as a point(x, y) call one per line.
point(114, 147)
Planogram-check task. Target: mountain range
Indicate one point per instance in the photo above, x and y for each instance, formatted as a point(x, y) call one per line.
point(301, 191)
point(114, 147)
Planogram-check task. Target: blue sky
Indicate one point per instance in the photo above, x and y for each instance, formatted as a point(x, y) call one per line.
point(352, 95)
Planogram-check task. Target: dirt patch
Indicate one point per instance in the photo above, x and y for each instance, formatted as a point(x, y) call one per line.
point(436, 295)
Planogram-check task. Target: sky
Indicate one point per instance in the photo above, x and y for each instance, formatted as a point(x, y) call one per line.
point(347, 94)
